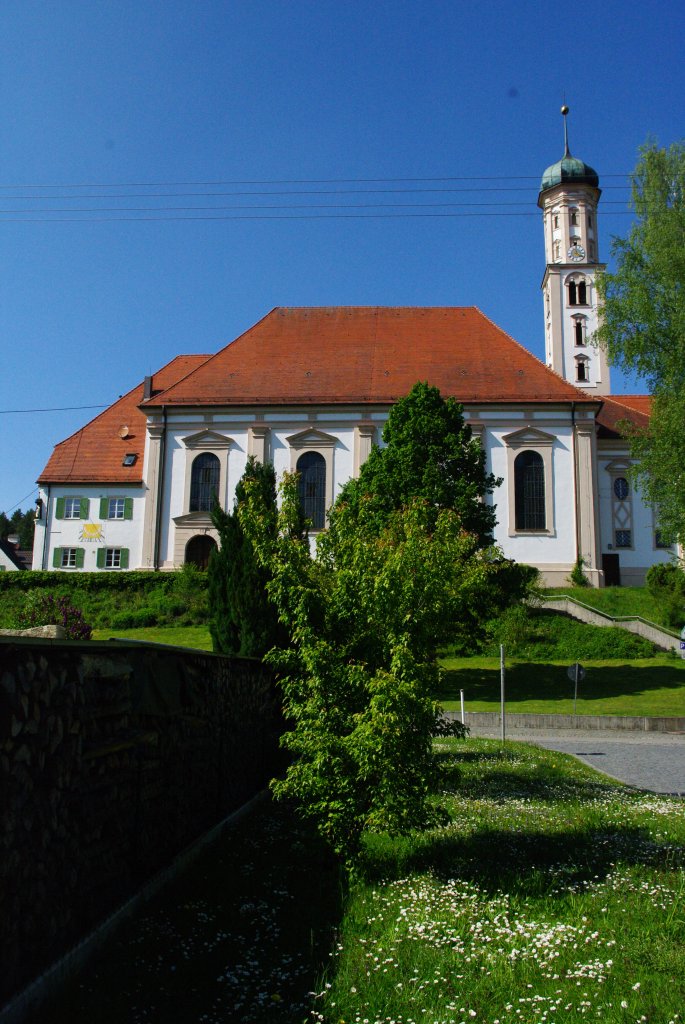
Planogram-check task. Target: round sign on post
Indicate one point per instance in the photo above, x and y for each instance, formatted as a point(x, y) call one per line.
point(682, 642)
point(576, 673)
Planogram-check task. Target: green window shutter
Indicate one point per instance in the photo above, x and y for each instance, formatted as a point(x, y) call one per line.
point(85, 506)
point(59, 511)
point(80, 554)
point(128, 508)
point(57, 553)
point(101, 558)
point(124, 558)
point(104, 508)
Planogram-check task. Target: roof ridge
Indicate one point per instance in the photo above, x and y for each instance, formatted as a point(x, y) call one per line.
point(545, 367)
point(150, 403)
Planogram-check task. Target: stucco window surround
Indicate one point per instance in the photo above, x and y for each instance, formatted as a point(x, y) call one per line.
point(312, 440)
point(582, 369)
point(190, 524)
point(534, 440)
point(579, 324)
point(578, 290)
point(622, 527)
point(206, 441)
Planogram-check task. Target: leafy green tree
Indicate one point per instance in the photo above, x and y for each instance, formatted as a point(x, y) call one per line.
point(429, 451)
point(243, 621)
point(643, 329)
point(391, 578)
point(21, 523)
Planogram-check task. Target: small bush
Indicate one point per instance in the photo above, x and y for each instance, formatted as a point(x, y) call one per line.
point(577, 577)
point(44, 609)
point(666, 583)
point(134, 618)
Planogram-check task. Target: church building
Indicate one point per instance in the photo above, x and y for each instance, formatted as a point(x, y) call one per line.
point(309, 389)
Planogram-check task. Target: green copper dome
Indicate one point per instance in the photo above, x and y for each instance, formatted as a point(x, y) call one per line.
point(569, 169)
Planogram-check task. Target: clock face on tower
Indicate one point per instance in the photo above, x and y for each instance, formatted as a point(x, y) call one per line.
point(576, 253)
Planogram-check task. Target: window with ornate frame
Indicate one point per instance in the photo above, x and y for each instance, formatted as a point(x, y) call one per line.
point(311, 486)
point(582, 369)
point(317, 473)
point(577, 290)
point(530, 485)
point(205, 475)
point(622, 533)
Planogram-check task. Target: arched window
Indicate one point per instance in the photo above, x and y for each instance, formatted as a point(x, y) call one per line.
point(579, 330)
point(529, 489)
point(574, 217)
point(577, 292)
point(204, 482)
point(198, 550)
point(312, 487)
point(582, 369)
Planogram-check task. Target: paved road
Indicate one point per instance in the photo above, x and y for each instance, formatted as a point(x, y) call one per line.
point(648, 760)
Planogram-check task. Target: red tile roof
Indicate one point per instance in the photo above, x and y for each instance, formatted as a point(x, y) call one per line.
point(633, 409)
point(355, 354)
point(95, 453)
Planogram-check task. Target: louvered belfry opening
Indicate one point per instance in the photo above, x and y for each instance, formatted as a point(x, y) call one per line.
point(312, 487)
point(529, 484)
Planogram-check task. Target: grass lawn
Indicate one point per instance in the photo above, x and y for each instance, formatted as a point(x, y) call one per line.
point(650, 686)
point(551, 895)
point(179, 636)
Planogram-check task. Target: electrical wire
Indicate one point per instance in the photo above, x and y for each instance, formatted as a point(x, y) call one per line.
point(288, 181)
point(59, 408)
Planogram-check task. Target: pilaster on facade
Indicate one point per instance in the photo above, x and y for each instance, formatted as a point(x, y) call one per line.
point(152, 480)
point(364, 437)
point(258, 436)
point(587, 499)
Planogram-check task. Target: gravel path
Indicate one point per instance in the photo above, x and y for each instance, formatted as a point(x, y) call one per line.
point(648, 760)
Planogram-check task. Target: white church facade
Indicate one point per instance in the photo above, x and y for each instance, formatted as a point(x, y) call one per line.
point(309, 389)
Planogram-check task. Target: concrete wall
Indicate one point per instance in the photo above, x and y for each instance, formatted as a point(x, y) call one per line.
point(113, 758)
point(658, 636)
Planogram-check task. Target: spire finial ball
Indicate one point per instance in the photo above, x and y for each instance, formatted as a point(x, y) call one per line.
point(564, 110)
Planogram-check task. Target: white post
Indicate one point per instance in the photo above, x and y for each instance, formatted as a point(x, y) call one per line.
point(501, 676)
point(575, 689)
point(461, 698)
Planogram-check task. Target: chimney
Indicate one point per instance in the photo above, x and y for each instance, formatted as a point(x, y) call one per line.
point(147, 388)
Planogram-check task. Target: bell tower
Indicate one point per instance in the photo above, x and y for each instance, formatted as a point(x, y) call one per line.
point(569, 195)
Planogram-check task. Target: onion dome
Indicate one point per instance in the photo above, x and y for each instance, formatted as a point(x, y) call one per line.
point(569, 169)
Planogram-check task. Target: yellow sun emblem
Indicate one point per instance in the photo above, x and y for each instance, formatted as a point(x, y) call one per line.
point(91, 531)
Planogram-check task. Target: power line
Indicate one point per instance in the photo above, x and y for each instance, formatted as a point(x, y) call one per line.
point(282, 192)
point(306, 216)
point(21, 500)
point(59, 408)
point(278, 206)
point(286, 181)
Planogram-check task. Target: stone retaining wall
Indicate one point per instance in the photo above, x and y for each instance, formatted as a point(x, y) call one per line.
point(113, 758)
point(631, 723)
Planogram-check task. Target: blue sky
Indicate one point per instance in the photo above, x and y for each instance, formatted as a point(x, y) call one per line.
point(104, 99)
